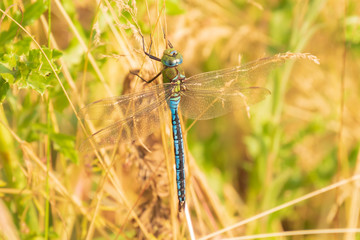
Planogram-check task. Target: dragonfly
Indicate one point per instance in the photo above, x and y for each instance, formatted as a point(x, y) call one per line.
point(202, 96)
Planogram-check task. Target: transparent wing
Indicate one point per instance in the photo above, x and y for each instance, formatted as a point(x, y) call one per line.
point(110, 109)
point(247, 75)
point(212, 94)
point(134, 115)
point(207, 104)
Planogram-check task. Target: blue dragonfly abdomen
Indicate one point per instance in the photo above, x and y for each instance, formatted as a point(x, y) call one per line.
point(178, 150)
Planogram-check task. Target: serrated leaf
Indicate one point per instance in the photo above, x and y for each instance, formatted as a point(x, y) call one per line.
point(9, 60)
point(22, 71)
point(34, 60)
point(56, 54)
point(45, 67)
point(38, 82)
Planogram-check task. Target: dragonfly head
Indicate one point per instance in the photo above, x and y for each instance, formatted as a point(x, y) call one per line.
point(171, 58)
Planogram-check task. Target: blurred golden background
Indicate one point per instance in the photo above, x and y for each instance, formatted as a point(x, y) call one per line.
point(303, 138)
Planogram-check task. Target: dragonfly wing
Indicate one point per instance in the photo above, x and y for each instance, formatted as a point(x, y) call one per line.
point(132, 128)
point(116, 108)
point(206, 104)
point(137, 116)
point(212, 94)
point(247, 75)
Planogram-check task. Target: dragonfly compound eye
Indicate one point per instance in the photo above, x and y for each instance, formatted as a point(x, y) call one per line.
point(172, 62)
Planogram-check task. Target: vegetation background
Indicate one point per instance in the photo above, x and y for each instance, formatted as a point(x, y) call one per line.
point(301, 143)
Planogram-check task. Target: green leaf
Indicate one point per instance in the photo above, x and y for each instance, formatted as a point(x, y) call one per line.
point(59, 98)
point(4, 87)
point(8, 77)
point(4, 69)
point(28, 68)
point(10, 60)
point(32, 12)
point(34, 60)
point(6, 74)
point(66, 145)
point(52, 55)
point(40, 76)
point(22, 46)
point(38, 82)
point(56, 54)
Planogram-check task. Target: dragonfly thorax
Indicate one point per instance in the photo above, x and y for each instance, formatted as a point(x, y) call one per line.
point(171, 58)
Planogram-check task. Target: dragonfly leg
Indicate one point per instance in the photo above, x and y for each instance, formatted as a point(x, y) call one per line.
point(148, 53)
point(147, 81)
point(169, 43)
